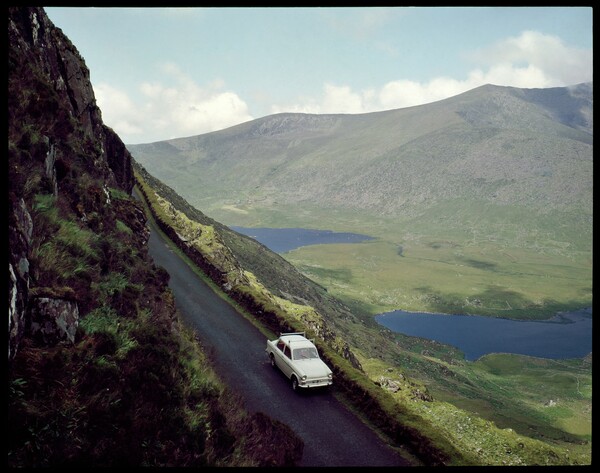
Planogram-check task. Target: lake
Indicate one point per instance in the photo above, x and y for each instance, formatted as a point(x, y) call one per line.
point(566, 335)
point(282, 240)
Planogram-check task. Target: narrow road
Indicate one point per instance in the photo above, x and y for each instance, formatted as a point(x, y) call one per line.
point(332, 435)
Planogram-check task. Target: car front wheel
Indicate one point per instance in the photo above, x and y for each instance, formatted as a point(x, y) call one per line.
point(294, 383)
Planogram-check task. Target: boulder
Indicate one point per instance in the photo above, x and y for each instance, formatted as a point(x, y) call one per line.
point(53, 320)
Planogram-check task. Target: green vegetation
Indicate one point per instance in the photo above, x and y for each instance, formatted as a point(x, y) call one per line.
point(397, 375)
point(132, 368)
point(451, 275)
point(101, 401)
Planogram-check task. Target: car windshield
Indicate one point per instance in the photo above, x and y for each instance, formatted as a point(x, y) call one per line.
point(305, 353)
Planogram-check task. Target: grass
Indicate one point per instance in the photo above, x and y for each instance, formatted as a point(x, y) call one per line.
point(467, 437)
point(525, 270)
point(67, 249)
point(448, 279)
point(558, 391)
point(450, 274)
point(480, 437)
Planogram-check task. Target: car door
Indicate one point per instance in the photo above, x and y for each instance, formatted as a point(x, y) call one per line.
point(286, 361)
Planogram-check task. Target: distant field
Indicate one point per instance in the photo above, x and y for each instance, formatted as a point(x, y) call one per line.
point(557, 392)
point(503, 262)
point(546, 398)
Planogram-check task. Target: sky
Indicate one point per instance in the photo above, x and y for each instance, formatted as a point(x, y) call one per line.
point(163, 73)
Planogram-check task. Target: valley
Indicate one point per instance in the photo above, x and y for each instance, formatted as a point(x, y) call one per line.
point(481, 407)
point(457, 258)
point(479, 204)
point(487, 196)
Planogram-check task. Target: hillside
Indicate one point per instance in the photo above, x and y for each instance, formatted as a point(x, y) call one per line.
point(101, 372)
point(499, 145)
point(480, 413)
point(493, 186)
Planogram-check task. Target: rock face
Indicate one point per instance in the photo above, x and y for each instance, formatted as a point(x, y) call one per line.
point(53, 320)
point(31, 32)
point(20, 228)
point(53, 122)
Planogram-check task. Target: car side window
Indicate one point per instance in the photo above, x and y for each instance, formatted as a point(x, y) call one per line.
point(286, 352)
point(280, 345)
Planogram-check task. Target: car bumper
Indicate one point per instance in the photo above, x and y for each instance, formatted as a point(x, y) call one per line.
point(315, 383)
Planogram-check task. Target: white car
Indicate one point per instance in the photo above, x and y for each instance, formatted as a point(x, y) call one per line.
point(298, 358)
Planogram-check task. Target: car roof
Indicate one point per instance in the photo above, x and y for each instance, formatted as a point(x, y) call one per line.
point(296, 341)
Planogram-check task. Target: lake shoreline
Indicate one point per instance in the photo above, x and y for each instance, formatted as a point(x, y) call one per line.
point(284, 240)
point(512, 319)
point(565, 335)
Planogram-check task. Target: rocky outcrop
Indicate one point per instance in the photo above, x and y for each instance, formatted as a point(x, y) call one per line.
point(20, 229)
point(53, 320)
point(32, 33)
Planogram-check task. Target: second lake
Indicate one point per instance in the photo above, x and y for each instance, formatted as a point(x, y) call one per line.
point(566, 335)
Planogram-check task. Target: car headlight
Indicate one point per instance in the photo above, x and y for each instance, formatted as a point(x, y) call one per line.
point(330, 375)
point(303, 377)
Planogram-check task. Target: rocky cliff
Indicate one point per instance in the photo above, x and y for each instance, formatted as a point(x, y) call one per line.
point(53, 118)
point(101, 370)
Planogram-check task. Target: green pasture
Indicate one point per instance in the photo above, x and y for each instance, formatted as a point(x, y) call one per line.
point(448, 277)
point(459, 256)
point(553, 392)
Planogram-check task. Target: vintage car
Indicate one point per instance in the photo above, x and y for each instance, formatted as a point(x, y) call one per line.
point(298, 358)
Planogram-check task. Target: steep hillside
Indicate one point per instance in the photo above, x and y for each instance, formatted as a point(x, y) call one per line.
point(101, 370)
point(486, 195)
point(279, 276)
point(500, 145)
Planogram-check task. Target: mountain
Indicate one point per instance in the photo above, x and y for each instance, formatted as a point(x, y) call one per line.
point(488, 197)
point(101, 371)
point(498, 145)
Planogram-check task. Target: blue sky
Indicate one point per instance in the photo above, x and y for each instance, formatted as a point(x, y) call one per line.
point(161, 73)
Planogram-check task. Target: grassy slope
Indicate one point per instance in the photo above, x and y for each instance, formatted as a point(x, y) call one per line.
point(444, 369)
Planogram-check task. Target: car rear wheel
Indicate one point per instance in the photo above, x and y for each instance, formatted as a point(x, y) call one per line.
point(294, 383)
point(272, 360)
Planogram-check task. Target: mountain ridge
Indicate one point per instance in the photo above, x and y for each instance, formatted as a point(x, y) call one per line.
point(374, 161)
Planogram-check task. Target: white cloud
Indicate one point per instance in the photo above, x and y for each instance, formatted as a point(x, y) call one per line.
point(335, 99)
point(549, 62)
point(531, 60)
point(118, 111)
point(182, 108)
point(177, 106)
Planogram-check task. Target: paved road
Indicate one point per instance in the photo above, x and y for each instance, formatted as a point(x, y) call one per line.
point(332, 435)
